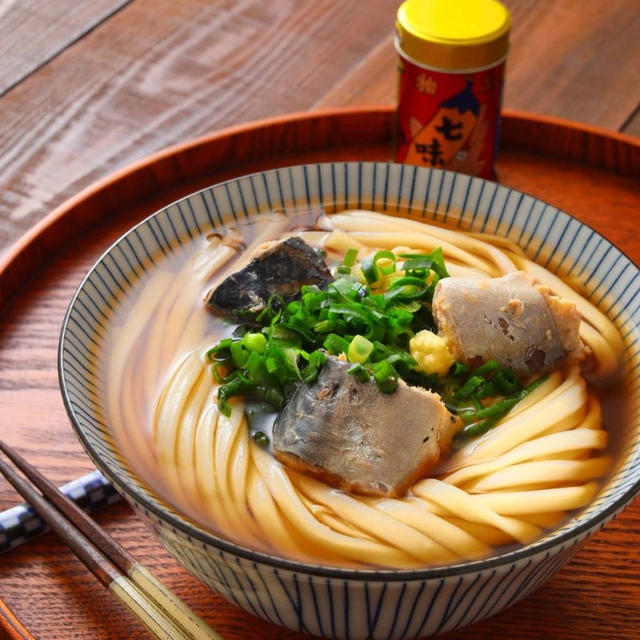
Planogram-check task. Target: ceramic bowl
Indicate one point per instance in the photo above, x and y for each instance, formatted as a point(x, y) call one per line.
point(333, 602)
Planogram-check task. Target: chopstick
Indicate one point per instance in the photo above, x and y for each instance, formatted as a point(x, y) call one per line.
point(160, 610)
point(13, 628)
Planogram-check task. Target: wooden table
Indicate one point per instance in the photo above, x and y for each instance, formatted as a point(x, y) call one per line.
point(87, 88)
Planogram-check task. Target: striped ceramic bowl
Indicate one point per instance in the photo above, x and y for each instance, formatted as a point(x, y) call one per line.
point(324, 601)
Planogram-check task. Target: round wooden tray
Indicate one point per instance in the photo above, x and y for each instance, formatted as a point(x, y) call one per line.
point(588, 172)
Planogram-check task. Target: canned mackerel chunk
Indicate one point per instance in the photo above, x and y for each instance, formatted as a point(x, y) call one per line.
point(451, 74)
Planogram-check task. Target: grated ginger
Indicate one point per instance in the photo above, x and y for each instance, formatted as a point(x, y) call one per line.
point(431, 353)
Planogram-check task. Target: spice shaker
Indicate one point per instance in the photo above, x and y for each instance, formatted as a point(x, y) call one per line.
point(452, 56)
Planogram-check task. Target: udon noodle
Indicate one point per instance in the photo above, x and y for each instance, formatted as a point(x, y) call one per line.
point(543, 461)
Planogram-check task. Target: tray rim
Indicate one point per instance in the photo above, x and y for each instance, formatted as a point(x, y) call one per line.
point(24, 248)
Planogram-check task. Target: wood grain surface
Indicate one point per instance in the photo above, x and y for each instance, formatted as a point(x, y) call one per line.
point(595, 596)
point(157, 72)
point(35, 31)
point(87, 88)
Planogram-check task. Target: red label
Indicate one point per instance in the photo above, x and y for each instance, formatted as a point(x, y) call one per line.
point(449, 120)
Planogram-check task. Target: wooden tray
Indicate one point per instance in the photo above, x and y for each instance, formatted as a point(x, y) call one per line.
point(588, 172)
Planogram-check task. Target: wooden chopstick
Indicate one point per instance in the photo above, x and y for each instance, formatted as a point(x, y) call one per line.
point(139, 574)
point(11, 626)
point(161, 611)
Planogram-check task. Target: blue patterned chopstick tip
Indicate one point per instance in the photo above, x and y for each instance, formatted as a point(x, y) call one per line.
point(20, 524)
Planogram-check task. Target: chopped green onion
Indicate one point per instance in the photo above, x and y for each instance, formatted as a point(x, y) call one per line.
point(506, 382)
point(324, 326)
point(434, 260)
point(477, 428)
point(274, 307)
point(458, 369)
point(479, 422)
point(234, 385)
point(335, 344)
point(486, 367)
point(498, 409)
point(467, 416)
point(261, 439)
point(220, 351)
point(316, 361)
point(257, 368)
point(407, 288)
point(217, 369)
point(372, 270)
point(473, 383)
point(350, 257)
point(369, 270)
point(268, 394)
point(402, 357)
point(360, 372)
point(487, 390)
point(386, 376)
point(384, 257)
point(255, 342)
point(360, 349)
point(345, 288)
point(238, 353)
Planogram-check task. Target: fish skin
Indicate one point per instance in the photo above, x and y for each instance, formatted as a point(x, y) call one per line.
point(356, 438)
point(279, 270)
point(505, 318)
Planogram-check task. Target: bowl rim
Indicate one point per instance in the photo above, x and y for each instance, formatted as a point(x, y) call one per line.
point(137, 493)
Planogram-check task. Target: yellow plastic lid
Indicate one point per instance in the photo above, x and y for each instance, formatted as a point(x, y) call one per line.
point(453, 35)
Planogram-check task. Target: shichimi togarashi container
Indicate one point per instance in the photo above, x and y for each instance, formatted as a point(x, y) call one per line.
point(451, 74)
